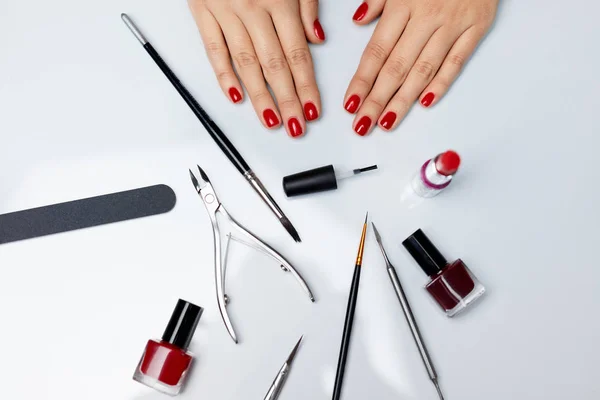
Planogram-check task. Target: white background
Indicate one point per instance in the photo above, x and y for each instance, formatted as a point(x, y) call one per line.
point(84, 111)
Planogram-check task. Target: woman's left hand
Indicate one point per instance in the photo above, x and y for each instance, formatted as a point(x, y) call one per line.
point(417, 51)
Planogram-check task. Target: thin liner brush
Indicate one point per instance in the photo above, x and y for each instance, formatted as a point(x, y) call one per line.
point(352, 298)
point(214, 131)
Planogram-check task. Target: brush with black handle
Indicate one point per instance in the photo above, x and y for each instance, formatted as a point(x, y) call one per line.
point(352, 298)
point(214, 131)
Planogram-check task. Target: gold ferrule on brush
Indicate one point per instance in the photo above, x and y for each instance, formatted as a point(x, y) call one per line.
point(361, 248)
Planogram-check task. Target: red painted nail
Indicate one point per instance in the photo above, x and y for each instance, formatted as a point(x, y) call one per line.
point(319, 32)
point(363, 125)
point(294, 127)
point(270, 118)
point(427, 99)
point(235, 95)
point(361, 11)
point(352, 104)
point(310, 111)
point(388, 120)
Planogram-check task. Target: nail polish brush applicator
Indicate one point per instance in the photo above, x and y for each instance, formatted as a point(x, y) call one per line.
point(320, 179)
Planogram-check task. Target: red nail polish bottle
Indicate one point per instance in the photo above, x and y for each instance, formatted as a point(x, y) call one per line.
point(165, 363)
point(452, 285)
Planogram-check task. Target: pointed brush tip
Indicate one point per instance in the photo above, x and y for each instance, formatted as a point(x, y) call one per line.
point(365, 169)
point(296, 237)
point(291, 230)
point(367, 218)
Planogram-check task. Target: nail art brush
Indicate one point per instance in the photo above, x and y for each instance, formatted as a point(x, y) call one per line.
point(352, 298)
point(410, 318)
point(214, 131)
point(281, 377)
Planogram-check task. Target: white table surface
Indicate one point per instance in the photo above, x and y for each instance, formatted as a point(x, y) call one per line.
point(84, 111)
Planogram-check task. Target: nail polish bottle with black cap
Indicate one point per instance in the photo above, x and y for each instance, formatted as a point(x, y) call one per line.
point(453, 285)
point(165, 363)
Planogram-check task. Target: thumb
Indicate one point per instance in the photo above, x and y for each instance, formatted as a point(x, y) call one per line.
point(367, 11)
point(309, 12)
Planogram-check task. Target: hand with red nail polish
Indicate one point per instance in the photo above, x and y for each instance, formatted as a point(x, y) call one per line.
point(319, 32)
point(294, 127)
point(363, 126)
point(417, 50)
point(235, 95)
point(387, 122)
point(360, 12)
point(428, 99)
point(269, 56)
point(310, 111)
point(270, 118)
point(352, 104)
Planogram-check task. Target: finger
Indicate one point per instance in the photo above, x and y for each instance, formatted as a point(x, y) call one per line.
point(453, 64)
point(217, 52)
point(396, 69)
point(275, 69)
point(248, 67)
point(384, 38)
point(420, 76)
point(309, 11)
point(367, 11)
point(291, 34)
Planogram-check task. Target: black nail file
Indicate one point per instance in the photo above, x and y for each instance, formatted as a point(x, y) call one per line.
point(85, 213)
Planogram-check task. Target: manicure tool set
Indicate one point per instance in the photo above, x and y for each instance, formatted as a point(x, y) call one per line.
point(165, 362)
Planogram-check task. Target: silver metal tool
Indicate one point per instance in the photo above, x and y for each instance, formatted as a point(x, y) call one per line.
point(281, 377)
point(214, 206)
point(410, 318)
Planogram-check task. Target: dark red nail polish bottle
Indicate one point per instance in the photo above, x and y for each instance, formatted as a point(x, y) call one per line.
point(452, 285)
point(165, 363)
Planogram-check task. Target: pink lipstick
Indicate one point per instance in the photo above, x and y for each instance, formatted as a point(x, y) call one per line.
point(436, 174)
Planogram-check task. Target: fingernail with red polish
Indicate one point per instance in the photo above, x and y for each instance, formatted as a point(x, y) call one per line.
point(388, 120)
point(270, 118)
point(352, 104)
point(319, 32)
point(235, 95)
point(310, 111)
point(294, 127)
point(363, 125)
point(427, 99)
point(361, 11)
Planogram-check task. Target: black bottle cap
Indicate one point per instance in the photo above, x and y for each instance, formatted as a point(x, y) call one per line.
point(182, 324)
point(425, 253)
point(311, 181)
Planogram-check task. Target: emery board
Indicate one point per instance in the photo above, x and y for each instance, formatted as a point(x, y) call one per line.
point(85, 213)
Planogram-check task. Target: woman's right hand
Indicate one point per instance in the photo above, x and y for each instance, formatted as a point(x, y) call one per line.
point(267, 41)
